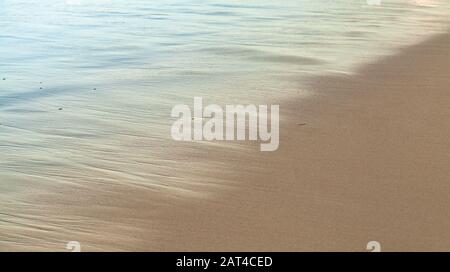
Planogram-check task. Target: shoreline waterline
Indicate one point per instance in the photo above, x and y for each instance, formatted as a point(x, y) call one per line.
point(86, 140)
point(286, 199)
point(369, 164)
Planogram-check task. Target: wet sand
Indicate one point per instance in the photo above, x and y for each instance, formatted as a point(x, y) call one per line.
point(370, 163)
point(364, 158)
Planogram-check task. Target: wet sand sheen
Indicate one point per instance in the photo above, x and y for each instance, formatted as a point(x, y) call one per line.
point(371, 163)
point(85, 127)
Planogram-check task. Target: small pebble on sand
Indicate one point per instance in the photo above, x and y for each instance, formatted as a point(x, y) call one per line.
point(60, 108)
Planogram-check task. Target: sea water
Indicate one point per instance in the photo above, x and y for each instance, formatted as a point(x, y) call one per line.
point(86, 89)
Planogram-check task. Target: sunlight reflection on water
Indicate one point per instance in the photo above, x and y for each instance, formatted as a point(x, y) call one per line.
point(115, 69)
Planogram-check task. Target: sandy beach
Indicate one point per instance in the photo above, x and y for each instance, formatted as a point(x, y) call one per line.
point(86, 95)
point(364, 159)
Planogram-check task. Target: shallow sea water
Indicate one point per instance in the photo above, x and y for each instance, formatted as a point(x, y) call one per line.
point(86, 89)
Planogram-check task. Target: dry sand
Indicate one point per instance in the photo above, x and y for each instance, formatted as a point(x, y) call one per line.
point(372, 162)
